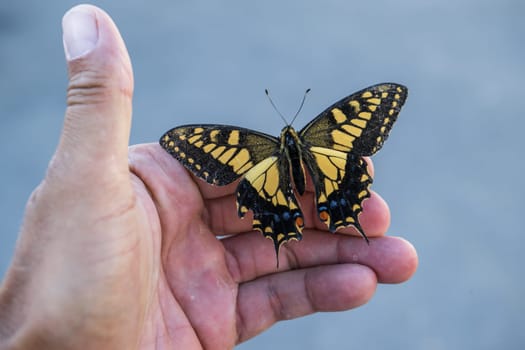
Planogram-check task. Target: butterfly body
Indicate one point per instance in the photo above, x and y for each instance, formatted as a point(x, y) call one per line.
point(272, 170)
point(292, 150)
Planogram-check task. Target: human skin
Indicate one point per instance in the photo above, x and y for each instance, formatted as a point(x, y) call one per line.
point(119, 249)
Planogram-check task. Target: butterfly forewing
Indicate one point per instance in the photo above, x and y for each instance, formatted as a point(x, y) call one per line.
point(219, 154)
point(359, 123)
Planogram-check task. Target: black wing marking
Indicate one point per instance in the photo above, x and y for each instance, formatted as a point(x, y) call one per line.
point(359, 123)
point(267, 191)
point(341, 185)
point(219, 154)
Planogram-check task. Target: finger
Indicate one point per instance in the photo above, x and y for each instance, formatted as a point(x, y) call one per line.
point(297, 293)
point(393, 259)
point(96, 129)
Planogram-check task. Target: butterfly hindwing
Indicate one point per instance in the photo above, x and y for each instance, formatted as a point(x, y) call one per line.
point(359, 123)
point(341, 184)
point(218, 154)
point(266, 190)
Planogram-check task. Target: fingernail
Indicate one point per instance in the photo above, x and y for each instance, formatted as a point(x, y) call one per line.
point(80, 32)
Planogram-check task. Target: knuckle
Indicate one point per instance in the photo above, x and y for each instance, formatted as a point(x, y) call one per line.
point(87, 87)
point(93, 87)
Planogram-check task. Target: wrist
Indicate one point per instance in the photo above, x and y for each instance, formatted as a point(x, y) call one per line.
point(27, 324)
point(22, 325)
point(12, 311)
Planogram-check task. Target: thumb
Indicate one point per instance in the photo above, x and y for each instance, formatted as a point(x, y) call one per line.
point(98, 115)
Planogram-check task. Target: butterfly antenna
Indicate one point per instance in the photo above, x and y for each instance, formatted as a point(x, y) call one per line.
point(277, 110)
point(301, 106)
point(275, 107)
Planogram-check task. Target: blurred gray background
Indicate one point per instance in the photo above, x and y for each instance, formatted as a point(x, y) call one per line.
point(451, 170)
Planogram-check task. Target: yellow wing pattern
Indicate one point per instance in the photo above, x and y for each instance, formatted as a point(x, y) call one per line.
point(359, 123)
point(266, 190)
point(341, 182)
point(218, 154)
point(330, 148)
point(353, 127)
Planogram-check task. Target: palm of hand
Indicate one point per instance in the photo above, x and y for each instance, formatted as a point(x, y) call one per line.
point(212, 293)
point(135, 259)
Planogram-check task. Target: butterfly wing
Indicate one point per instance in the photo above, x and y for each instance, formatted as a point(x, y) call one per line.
point(221, 154)
point(341, 183)
point(266, 189)
point(335, 142)
point(359, 123)
point(218, 154)
point(332, 148)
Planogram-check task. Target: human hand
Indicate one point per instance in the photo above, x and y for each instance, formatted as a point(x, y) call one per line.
point(119, 248)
